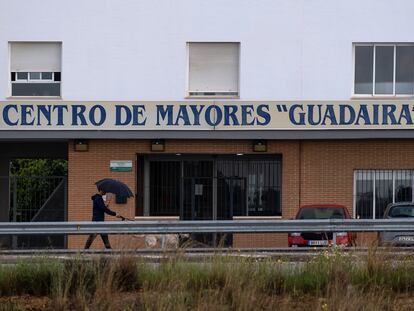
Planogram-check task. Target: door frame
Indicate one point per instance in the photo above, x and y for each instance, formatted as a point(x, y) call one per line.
point(192, 157)
point(178, 158)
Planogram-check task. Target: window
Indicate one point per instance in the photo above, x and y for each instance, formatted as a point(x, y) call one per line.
point(375, 189)
point(35, 68)
point(218, 187)
point(250, 187)
point(213, 69)
point(384, 69)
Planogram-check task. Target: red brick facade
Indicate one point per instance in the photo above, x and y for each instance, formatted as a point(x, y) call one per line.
point(313, 172)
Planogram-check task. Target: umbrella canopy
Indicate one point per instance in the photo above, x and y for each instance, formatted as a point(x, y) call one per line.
point(114, 186)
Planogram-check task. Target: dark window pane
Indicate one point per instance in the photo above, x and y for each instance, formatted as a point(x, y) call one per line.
point(22, 75)
point(34, 75)
point(364, 194)
point(47, 75)
point(383, 192)
point(404, 70)
point(363, 69)
point(202, 196)
point(384, 69)
point(13, 76)
point(248, 187)
point(35, 89)
point(165, 177)
point(57, 76)
point(198, 169)
point(263, 194)
point(403, 186)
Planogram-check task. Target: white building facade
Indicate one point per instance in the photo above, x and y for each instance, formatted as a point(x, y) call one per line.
point(327, 88)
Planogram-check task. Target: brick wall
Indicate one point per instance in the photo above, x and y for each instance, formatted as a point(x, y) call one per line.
point(313, 172)
point(328, 166)
point(327, 174)
point(87, 167)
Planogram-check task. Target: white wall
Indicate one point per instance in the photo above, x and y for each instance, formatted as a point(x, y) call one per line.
point(136, 49)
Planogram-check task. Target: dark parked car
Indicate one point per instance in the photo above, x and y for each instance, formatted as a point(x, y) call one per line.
point(321, 211)
point(398, 210)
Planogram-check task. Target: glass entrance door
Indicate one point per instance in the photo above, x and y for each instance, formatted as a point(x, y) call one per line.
point(197, 192)
point(205, 187)
point(197, 198)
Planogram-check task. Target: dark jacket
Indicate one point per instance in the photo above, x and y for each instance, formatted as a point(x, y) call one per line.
point(99, 208)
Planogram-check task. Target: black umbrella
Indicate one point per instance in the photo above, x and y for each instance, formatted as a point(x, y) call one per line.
point(114, 186)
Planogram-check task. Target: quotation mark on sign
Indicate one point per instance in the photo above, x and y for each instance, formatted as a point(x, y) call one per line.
point(281, 108)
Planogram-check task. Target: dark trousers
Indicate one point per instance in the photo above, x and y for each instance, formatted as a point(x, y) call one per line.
point(92, 237)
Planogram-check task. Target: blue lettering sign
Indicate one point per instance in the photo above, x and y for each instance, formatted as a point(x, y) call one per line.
point(196, 113)
point(6, 116)
point(218, 114)
point(346, 115)
point(388, 113)
point(263, 112)
point(230, 113)
point(137, 114)
point(163, 112)
point(120, 120)
point(78, 112)
point(60, 109)
point(45, 112)
point(27, 112)
point(247, 111)
point(182, 115)
point(301, 115)
point(101, 113)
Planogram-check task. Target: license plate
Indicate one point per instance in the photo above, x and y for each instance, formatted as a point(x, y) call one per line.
point(318, 243)
point(406, 239)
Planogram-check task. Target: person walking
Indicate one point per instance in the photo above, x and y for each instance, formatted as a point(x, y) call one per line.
point(99, 211)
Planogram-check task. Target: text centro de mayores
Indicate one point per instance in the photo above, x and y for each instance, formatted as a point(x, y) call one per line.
point(212, 115)
point(135, 115)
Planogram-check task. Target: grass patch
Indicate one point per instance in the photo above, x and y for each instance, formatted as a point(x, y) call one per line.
point(330, 281)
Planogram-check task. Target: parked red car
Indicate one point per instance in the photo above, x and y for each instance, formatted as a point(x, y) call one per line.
point(321, 211)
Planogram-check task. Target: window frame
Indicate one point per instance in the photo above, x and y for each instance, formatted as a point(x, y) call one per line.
point(277, 181)
point(41, 80)
point(376, 171)
point(373, 94)
point(10, 82)
point(188, 92)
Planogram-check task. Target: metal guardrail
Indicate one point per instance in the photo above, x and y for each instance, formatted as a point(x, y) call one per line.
point(220, 226)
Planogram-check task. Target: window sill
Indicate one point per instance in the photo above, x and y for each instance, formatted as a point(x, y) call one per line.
point(212, 97)
point(382, 97)
point(34, 97)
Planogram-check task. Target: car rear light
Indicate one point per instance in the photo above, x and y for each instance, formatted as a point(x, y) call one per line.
point(294, 234)
point(341, 233)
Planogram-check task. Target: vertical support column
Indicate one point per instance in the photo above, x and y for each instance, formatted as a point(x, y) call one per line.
point(214, 189)
point(4, 189)
point(146, 187)
point(14, 238)
point(65, 216)
point(5, 197)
